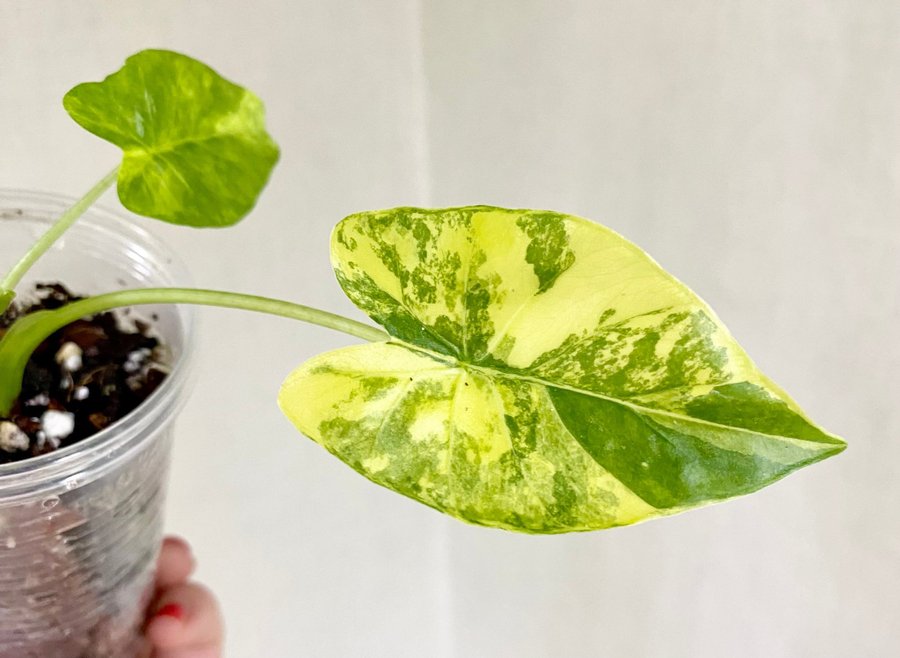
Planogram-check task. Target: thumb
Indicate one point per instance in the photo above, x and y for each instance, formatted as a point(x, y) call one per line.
point(186, 623)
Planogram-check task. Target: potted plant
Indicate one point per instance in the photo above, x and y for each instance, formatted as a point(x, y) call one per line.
point(80, 526)
point(537, 372)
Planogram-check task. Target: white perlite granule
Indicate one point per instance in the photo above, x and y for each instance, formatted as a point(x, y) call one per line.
point(12, 438)
point(136, 360)
point(69, 356)
point(57, 425)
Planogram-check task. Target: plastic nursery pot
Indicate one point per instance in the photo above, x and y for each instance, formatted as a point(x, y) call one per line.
point(80, 528)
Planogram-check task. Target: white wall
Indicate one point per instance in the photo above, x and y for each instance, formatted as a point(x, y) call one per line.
point(753, 147)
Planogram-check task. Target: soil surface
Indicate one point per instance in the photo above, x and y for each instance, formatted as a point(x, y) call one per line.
point(81, 379)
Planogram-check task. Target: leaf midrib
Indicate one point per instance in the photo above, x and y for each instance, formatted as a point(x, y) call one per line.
point(493, 373)
point(168, 147)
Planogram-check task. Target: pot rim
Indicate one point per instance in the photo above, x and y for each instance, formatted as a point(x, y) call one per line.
point(109, 442)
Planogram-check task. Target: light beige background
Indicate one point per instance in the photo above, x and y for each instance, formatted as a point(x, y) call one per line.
point(751, 147)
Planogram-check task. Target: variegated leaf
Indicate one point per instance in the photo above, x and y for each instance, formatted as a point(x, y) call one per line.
point(545, 375)
point(195, 146)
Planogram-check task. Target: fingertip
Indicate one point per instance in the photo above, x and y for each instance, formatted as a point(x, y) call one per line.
point(185, 616)
point(177, 543)
point(165, 631)
point(176, 562)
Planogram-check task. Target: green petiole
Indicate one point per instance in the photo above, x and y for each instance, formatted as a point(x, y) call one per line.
point(39, 248)
point(30, 331)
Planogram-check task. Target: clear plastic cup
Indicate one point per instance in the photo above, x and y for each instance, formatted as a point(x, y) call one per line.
point(80, 528)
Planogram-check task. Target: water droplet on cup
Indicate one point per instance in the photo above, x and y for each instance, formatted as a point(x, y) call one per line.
point(50, 502)
point(73, 483)
point(10, 543)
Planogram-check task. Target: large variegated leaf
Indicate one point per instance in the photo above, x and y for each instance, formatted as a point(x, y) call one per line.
point(546, 375)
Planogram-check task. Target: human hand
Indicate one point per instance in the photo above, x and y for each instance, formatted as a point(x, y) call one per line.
point(184, 619)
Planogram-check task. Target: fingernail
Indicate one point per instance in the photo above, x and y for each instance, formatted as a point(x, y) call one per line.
point(171, 610)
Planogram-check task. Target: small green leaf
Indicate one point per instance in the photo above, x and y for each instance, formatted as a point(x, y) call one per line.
point(196, 151)
point(546, 375)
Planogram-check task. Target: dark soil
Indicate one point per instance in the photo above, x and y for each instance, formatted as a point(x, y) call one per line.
point(81, 379)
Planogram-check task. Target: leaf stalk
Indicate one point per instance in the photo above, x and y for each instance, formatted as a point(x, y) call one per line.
point(60, 226)
point(30, 331)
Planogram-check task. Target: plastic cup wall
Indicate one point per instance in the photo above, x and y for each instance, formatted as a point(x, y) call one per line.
point(80, 528)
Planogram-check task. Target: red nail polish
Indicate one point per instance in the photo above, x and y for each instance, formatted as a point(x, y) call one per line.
point(171, 610)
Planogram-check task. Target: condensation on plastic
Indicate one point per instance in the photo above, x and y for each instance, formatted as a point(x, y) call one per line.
point(80, 528)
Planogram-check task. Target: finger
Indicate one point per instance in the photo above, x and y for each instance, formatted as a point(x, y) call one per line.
point(203, 652)
point(146, 649)
point(175, 563)
point(186, 617)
